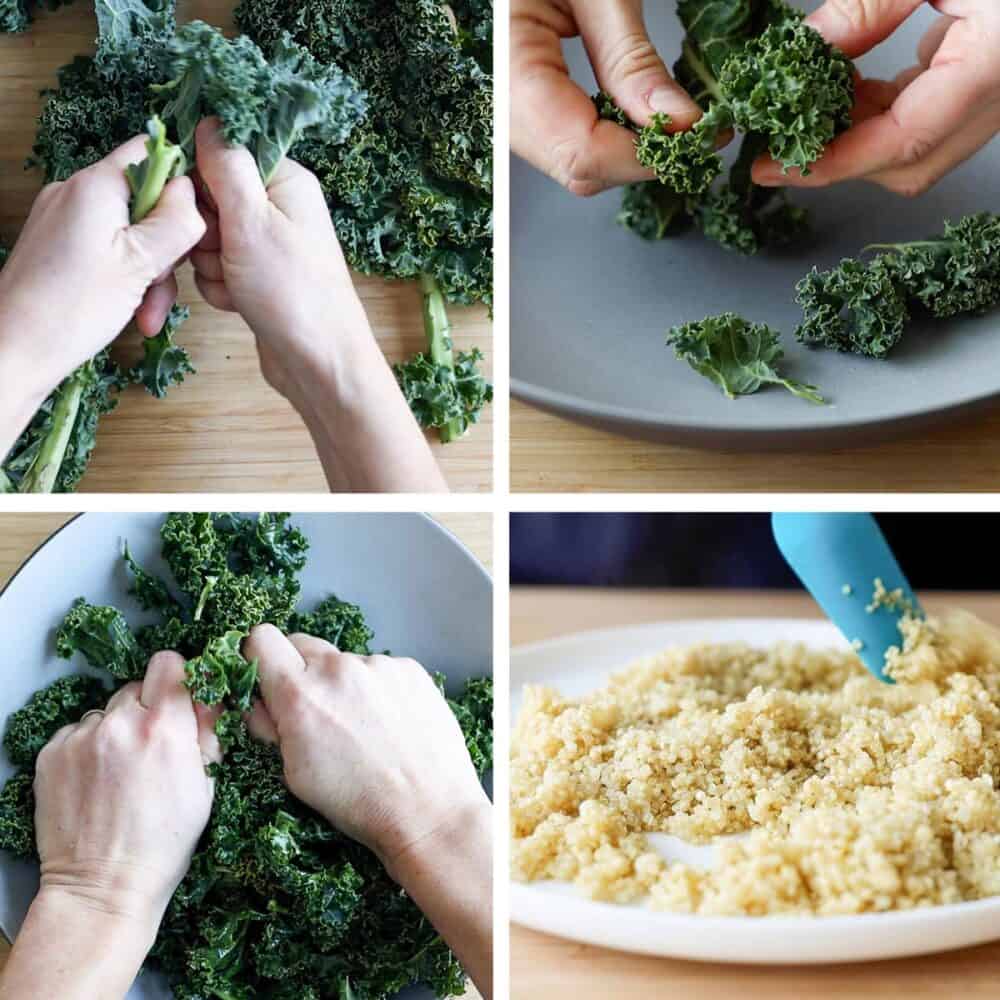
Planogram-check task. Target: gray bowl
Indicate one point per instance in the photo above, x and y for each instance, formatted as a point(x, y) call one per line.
point(423, 593)
point(590, 305)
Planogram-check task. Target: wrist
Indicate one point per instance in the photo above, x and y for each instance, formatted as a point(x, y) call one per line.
point(132, 917)
point(455, 836)
point(21, 394)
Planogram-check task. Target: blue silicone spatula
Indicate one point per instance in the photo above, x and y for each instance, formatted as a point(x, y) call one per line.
point(838, 557)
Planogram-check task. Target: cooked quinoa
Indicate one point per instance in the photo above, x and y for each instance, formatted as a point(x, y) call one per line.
point(855, 796)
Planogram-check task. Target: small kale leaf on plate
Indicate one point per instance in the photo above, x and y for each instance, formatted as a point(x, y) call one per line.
point(738, 356)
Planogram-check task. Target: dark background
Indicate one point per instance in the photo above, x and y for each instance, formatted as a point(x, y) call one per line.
point(941, 551)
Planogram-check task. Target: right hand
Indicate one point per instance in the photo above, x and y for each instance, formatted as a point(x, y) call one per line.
point(554, 124)
point(272, 255)
point(367, 741)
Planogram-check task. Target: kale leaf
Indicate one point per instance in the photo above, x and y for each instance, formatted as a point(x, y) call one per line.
point(865, 307)
point(449, 398)
point(276, 902)
point(738, 356)
point(17, 15)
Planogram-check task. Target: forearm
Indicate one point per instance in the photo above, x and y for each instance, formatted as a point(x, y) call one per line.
point(365, 434)
point(19, 399)
point(450, 877)
point(71, 950)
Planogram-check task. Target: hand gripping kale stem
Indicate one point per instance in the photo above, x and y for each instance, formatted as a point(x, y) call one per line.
point(147, 179)
point(438, 329)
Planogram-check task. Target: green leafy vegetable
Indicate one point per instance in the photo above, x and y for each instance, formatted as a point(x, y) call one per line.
point(411, 194)
point(17, 15)
point(48, 710)
point(276, 903)
point(739, 357)
point(754, 66)
point(864, 307)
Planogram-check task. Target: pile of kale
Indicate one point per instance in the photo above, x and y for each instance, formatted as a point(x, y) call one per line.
point(388, 101)
point(276, 903)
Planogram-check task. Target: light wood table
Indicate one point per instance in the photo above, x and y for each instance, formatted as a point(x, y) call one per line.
point(224, 429)
point(21, 534)
point(544, 967)
point(552, 455)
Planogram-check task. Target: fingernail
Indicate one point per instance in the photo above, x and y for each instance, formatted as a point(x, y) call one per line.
point(666, 101)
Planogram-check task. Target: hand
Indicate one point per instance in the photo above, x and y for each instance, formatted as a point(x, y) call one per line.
point(910, 132)
point(554, 124)
point(80, 271)
point(367, 741)
point(273, 256)
point(122, 797)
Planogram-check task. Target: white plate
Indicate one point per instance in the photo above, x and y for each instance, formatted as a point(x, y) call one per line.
point(421, 590)
point(579, 663)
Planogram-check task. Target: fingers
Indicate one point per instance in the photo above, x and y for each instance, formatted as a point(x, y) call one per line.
point(215, 293)
point(922, 118)
point(208, 742)
point(857, 26)
point(170, 230)
point(125, 697)
point(156, 305)
point(163, 690)
point(260, 723)
point(297, 194)
point(932, 40)
point(279, 663)
point(230, 173)
point(628, 66)
point(110, 171)
point(311, 647)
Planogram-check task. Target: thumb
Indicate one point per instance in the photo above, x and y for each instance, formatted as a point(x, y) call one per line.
point(170, 230)
point(857, 26)
point(229, 173)
point(628, 66)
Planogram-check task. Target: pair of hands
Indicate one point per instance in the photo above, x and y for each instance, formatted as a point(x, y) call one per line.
point(80, 272)
point(907, 133)
point(368, 742)
point(270, 255)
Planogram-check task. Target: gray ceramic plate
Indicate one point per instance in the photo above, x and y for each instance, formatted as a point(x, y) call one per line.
point(423, 593)
point(590, 305)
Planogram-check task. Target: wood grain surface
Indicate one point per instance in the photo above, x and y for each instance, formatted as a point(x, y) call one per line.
point(21, 534)
point(552, 455)
point(224, 429)
point(545, 967)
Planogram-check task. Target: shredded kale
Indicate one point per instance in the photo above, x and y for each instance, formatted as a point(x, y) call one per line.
point(738, 356)
point(276, 903)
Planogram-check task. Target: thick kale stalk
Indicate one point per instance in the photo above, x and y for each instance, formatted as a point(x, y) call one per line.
point(865, 307)
point(444, 390)
point(276, 903)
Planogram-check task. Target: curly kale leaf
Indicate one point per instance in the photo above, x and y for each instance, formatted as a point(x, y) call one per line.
point(789, 84)
point(104, 638)
point(276, 902)
point(16, 15)
point(953, 274)
point(53, 451)
point(438, 394)
point(17, 816)
point(852, 307)
point(130, 36)
point(62, 702)
point(265, 106)
point(653, 211)
point(339, 623)
point(411, 193)
point(684, 161)
point(221, 674)
point(738, 356)
point(164, 362)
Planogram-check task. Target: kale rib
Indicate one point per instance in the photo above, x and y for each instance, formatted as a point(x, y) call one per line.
point(437, 327)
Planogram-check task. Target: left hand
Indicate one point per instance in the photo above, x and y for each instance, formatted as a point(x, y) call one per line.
point(910, 132)
point(122, 797)
point(80, 271)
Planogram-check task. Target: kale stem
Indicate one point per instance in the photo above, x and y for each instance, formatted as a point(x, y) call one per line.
point(702, 71)
point(903, 246)
point(41, 477)
point(164, 161)
point(438, 330)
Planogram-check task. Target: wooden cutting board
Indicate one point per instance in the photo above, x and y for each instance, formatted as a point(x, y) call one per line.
point(225, 429)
